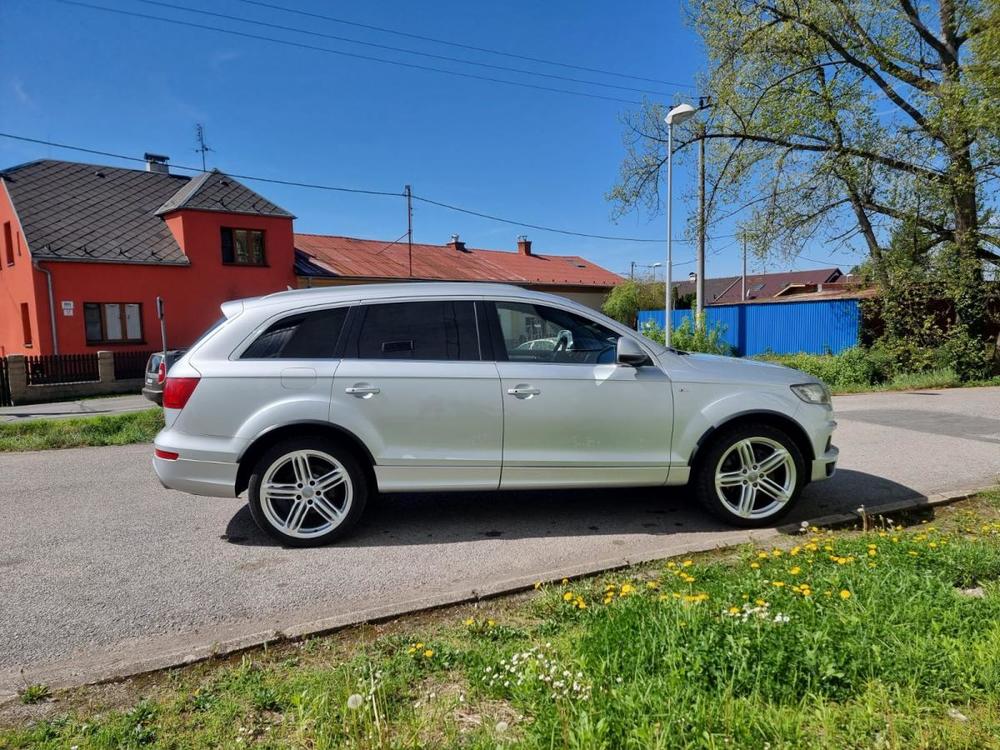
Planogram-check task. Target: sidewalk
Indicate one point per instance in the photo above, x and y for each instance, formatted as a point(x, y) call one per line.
point(82, 408)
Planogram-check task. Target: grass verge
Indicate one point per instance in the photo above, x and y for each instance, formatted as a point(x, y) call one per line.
point(886, 638)
point(113, 429)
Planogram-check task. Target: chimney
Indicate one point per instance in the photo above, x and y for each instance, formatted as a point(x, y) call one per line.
point(523, 245)
point(156, 163)
point(456, 244)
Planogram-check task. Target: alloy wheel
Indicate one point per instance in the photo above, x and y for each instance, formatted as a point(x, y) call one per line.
point(306, 494)
point(755, 478)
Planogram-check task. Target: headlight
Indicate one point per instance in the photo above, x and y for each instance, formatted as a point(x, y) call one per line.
point(812, 393)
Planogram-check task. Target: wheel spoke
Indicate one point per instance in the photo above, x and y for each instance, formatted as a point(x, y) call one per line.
point(774, 461)
point(773, 489)
point(326, 509)
point(747, 496)
point(745, 450)
point(730, 479)
point(281, 491)
point(330, 480)
point(296, 516)
point(300, 464)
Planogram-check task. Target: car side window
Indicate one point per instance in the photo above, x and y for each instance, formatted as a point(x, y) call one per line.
point(307, 335)
point(535, 333)
point(431, 330)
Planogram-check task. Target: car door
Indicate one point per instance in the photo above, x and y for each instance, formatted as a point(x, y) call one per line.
point(414, 387)
point(572, 416)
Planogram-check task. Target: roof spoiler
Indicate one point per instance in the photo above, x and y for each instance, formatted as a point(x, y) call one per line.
point(232, 308)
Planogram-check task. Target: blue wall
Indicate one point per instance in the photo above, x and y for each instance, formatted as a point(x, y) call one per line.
point(780, 327)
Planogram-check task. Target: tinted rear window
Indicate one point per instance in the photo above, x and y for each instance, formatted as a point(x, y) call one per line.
point(309, 335)
point(429, 330)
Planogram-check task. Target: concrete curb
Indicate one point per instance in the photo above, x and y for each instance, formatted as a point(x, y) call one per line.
point(105, 668)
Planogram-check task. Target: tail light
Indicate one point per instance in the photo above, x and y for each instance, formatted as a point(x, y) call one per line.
point(161, 373)
point(177, 391)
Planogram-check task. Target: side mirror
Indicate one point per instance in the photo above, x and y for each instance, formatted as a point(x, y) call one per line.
point(629, 353)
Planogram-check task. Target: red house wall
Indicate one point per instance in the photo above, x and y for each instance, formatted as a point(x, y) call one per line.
point(19, 283)
point(192, 294)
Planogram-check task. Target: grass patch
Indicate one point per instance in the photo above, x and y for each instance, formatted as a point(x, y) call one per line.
point(887, 638)
point(114, 429)
point(34, 694)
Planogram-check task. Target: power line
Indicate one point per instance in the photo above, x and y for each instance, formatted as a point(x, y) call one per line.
point(342, 53)
point(459, 45)
point(362, 191)
point(310, 32)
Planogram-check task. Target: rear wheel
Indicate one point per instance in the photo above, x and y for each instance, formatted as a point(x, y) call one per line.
point(750, 475)
point(307, 492)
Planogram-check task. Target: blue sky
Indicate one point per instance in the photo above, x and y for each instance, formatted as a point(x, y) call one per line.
point(128, 85)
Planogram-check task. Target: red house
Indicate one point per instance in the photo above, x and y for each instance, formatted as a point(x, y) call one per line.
point(85, 250)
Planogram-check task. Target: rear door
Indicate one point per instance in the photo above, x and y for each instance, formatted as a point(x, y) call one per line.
point(415, 387)
point(572, 416)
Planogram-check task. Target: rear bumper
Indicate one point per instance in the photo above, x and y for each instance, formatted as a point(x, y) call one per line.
point(204, 466)
point(210, 478)
point(153, 394)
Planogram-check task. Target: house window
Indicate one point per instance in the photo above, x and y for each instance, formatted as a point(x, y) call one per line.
point(8, 243)
point(243, 247)
point(26, 323)
point(112, 322)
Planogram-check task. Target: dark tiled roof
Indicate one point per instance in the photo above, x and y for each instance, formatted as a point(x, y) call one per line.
point(72, 211)
point(725, 290)
point(327, 255)
point(215, 191)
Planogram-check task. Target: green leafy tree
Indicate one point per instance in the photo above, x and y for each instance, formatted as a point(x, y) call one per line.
point(841, 119)
point(632, 295)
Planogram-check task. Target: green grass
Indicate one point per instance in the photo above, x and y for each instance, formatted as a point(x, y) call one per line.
point(114, 429)
point(34, 694)
point(888, 638)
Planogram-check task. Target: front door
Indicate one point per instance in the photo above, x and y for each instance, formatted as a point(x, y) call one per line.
point(413, 386)
point(572, 416)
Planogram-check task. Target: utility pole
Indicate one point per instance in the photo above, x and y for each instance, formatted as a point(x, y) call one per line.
point(409, 226)
point(631, 270)
point(743, 283)
point(699, 288)
point(203, 148)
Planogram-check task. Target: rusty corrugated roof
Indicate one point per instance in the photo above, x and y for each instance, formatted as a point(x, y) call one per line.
point(350, 257)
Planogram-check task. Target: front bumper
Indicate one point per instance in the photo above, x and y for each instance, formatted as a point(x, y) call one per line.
point(824, 466)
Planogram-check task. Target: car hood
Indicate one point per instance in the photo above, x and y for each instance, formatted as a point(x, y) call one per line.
point(710, 368)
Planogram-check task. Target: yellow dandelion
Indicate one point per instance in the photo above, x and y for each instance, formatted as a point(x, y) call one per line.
point(491, 623)
point(779, 584)
point(671, 565)
point(794, 551)
point(470, 621)
point(538, 585)
point(760, 603)
point(428, 653)
point(776, 553)
point(795, 570)
point(687, 563)
point(565, 581)
point(755, 565)
point(627, 588)
point(734, 610)
point(762, 555)
point(418, 645)
point(652, 585)
point(568, 596)
point(845, 594)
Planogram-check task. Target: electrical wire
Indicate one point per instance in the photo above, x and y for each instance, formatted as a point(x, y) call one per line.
point(310, 32)
point(342, 53)
point(459, 45)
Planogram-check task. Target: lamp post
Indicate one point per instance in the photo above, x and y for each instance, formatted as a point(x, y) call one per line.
point(678, 114)
point(633, 265)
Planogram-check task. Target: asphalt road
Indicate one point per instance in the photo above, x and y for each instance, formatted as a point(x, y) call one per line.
point(100, 566)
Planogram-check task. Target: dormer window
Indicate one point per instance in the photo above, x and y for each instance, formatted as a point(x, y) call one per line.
point(243, 247)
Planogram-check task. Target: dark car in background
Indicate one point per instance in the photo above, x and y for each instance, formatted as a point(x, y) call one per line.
point(156, 373)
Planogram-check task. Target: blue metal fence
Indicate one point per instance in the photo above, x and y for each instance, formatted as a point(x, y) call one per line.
point(813, 327)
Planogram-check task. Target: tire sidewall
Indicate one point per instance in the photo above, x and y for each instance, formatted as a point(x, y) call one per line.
point(704, 474)
point(359, 487)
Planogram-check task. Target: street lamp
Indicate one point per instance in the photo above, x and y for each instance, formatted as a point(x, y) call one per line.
point(678, 114)
point(634, 265)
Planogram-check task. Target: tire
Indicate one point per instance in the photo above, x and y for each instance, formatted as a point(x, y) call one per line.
point(285, 505)
point(744, 495)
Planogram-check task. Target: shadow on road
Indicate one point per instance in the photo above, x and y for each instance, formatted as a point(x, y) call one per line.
point(436, 518)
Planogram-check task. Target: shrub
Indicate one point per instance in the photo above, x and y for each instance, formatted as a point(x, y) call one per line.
point(853, 367)
point(688, 338)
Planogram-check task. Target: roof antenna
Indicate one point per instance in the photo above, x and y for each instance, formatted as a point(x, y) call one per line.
point(203, 148)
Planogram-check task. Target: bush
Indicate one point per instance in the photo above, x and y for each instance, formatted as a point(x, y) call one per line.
point(852, 368)
point(687, 338)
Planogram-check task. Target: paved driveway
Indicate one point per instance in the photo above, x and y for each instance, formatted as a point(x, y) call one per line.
point(100, 566)
point(86, 407)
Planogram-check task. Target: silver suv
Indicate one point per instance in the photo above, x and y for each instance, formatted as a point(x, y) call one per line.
point(312, 400)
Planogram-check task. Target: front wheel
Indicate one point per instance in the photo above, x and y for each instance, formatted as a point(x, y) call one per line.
point(750, 475)
point(307, 492)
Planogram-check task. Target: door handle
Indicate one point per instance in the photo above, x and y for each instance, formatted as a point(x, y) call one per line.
point(362, 391)
point(523, 391)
